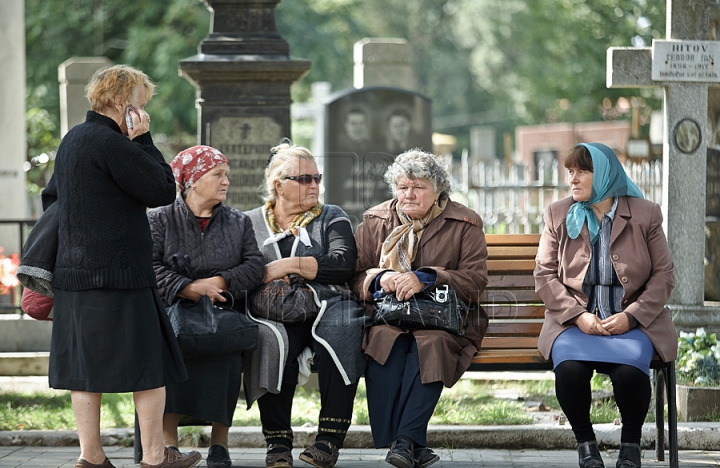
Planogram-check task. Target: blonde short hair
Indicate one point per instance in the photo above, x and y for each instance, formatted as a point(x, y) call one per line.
point(280, 165)
point(118, 80)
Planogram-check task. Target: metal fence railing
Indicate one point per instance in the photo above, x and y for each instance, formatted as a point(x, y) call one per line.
point(10, 300)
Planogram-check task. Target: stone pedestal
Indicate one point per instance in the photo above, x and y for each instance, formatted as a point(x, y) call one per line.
point(697, 403)
point(243, 75)
point(13, 198)
point(73, 74)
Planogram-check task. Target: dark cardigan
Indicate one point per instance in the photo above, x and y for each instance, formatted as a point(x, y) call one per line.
point(103, 184)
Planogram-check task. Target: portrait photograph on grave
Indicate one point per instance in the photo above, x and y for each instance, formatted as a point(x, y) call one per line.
point(365, 130)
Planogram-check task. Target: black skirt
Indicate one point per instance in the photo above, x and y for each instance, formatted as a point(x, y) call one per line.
point(113, 341)
point(211, 393)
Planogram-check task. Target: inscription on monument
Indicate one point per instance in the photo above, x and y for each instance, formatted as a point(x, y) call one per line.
point(685, 61)
point(246, 142)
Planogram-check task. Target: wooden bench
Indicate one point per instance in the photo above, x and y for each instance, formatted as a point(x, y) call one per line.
point(516, 315)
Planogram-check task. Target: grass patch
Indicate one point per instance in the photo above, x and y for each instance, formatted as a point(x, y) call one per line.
point(467, 403)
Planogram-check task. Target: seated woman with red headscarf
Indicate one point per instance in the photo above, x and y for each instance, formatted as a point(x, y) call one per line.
point(219, 244)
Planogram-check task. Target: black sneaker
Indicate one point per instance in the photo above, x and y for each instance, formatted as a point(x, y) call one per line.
point(218, 457)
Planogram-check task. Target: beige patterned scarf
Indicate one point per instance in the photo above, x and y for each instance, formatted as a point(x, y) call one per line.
point(400, 247)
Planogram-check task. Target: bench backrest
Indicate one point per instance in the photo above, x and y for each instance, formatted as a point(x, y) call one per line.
point(515, 310)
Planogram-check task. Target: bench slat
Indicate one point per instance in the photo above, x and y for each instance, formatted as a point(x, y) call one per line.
point(514, 296)
point(512, 239)
point(510, 356)
point(496, 266)
point(510, 342)
point(499, 311)
point(514, 329)
point(511, 252)
point(510, 281)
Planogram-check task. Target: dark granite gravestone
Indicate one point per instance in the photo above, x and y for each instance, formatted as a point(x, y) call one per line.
point(365, 129)
point(243, 75)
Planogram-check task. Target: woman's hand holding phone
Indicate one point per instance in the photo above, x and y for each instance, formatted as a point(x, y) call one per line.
point(139, 119)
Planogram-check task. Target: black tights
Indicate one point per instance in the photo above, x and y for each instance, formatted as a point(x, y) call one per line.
point(631, 387)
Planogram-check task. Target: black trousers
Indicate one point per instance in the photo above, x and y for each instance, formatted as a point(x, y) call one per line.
point(399, 403)
point(631, 388)
point(336, 398)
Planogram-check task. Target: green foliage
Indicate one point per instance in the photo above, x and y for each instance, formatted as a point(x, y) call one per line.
point(493, 62)
point(698, 356)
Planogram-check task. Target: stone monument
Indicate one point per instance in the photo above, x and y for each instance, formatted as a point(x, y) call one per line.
point(73, 74)
point(243, 75)
point(383, 62)
point(13, 187)
point(366, 127)
point(684, 67)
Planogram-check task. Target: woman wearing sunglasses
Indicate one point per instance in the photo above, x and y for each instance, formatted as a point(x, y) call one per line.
point(314, 244)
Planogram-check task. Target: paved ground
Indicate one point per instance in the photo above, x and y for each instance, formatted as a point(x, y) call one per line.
point(64, 457)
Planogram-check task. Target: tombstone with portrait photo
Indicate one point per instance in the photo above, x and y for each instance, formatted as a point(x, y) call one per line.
point(365, 130)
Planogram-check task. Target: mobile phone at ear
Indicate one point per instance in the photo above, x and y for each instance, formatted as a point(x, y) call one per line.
point(128, 118)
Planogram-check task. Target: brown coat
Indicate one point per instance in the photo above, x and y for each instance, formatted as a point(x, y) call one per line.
point(641, 258)
point(453, 246)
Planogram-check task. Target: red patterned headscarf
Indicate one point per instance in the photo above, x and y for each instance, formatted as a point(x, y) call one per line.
point(191, 164)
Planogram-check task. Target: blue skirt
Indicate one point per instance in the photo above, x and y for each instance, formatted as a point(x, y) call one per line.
point(633, 348)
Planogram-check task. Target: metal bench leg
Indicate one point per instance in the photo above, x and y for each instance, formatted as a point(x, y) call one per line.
point(137, 444)
point(660, 381)
point(672, 416)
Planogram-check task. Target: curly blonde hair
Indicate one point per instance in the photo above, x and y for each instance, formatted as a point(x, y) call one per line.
point(280, 165)
point(118, 80)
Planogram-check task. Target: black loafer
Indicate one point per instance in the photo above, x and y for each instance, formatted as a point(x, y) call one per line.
point(218, 457)
point(629, 456)
point(424, 457)
point(401, 453)
point(589, 455)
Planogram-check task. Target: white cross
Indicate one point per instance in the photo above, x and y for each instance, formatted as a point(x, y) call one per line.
point(683, 172)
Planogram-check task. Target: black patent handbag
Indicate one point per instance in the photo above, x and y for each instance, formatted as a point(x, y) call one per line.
point(204, 329)
point(438, 309)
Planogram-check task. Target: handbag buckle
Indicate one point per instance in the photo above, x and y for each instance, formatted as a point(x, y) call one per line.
point(441, 295)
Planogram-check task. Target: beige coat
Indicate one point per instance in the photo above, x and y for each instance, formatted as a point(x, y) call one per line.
point(642, 261)
point(453, 246)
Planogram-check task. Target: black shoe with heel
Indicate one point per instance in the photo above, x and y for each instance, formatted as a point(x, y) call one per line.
point(589, 455)
point(629, 456)
point(401, 453)
point(218, 457)
point(424, 457)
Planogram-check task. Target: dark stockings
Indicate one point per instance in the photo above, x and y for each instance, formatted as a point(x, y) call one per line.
point(632, 392)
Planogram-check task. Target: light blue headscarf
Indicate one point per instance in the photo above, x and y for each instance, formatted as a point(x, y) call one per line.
point(609, 180)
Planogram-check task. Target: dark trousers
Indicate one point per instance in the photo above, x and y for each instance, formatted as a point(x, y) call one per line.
point(631, 387)
point(336, 398)
point(399, 404)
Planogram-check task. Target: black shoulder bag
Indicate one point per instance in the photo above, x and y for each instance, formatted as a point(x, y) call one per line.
point(205, 329)
point(438, 309)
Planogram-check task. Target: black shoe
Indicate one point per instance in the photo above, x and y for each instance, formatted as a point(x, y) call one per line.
point(589, 455)
point(629, 456)
point(218, 457)
point(424, 457)
point(401, 453)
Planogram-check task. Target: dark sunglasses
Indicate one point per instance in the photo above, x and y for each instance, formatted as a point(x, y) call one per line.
point(305, 179)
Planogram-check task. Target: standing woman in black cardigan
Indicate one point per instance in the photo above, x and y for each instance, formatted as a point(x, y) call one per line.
point(110, 331)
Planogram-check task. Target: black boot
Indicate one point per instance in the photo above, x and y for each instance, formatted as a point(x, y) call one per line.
point(629, 456)
point(401, 453)
point(589, 455)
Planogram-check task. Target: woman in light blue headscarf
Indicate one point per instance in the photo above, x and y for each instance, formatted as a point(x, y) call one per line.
point(604, 272)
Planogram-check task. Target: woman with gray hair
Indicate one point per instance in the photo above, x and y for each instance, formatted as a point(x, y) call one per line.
point(415, 242)
point(306, 242)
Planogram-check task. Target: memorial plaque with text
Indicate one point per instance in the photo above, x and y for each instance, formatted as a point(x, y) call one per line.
point(246, 142)
point(685, 61)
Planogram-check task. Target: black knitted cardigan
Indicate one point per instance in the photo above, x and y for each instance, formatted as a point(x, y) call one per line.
point(103, 184)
